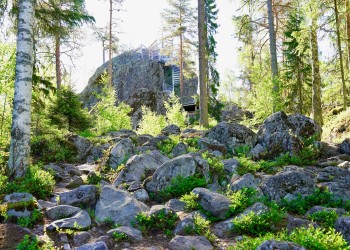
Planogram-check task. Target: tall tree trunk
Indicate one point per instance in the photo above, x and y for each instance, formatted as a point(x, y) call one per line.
point(348, 31)
point(103, 51)
point(300, 88)
point(58, 61)
point(181, 59)
point(203, 95)
point(110, 42)
point(273, 55)
point(316, 76)
point(19, 159)
point(3, 115)
point(340, 55)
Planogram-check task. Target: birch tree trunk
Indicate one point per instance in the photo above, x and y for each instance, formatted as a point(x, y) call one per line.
point(316, 76)
point(19, 159)
point(203, 94)
point(273, 55)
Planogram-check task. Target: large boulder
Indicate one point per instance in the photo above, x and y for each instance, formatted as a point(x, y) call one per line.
point(280, 245)
point(79, 220)
point(83, 195)
point(139, 167)
point(231, 135)
point(82, 145)
point(284, 134)
point(345, 146)
point(98, 245)
point(121, 152)
point(342, 225)
point(171, 129)
point(288, 185)
point(184, 165)
point(215, 203)
point(189, 243)
point(233, 113)
point(20, 204)
point(133, 234)
point(118, 206)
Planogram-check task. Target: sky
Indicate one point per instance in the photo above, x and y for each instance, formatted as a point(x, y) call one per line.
point(141, 24)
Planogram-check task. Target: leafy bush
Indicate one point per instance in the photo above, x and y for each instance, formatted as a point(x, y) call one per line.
point(326, 218)
point(37, 182)
point(32, 243)
point(119, 236)
point(301, 204)
point(163, 221)
point(310, 238)
point(201, 227)
point(151, 123)
point(241, 200)
point(216, 166)
point(180, 185)
point(174, 111)
point(258, 224)
point(31, 220)
point(191, 201)
point(67, 112)
point(166, 147)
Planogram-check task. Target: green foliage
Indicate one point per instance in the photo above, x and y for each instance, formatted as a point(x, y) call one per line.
point(94, 179)
point(191, 201)
point(326, 218)
point(216, 166)
point(241, 200)
point(31, 220)
point(119, 236)
point(166, 147)
point(37, 182)
point(259, 224)
point(161, 221)
point(151, 123)
point(67, 112)
point(192, 143)
point(32, 243)
point(300, 205)
point(174, 111)
point(180, 185)
point(310, 238)
point(201, 228)
point(107, 116)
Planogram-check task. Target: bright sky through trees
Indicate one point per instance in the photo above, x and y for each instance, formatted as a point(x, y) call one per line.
point(142, 25)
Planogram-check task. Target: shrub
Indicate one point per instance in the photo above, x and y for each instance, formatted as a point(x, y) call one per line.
point(326, 218)
point(216, 166)
point(37, 182)
point(166, 147)
point(32, 243)
point(202, 227)
point(163, 221)
point(31, 220)
point(119, 236)
point(151, 123)
point(258, 224)
point(174, 111)
point(241, 200)
point(191, 201)
point(181, 185)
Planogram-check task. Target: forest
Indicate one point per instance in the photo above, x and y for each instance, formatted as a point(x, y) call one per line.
point(164, 150)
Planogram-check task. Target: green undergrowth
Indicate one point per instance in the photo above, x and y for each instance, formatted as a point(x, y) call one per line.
point(32, 243)
point(310, 238)
point(38, 182)
point(162, 221)
point(201, 228)
point(325, 218)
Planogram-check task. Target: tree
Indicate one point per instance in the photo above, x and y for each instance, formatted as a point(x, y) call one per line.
point(203, 62)
point(340, 54)
point(273, 55)
point(67, 111)
point(179, 22)
point(19, 159)
point(103, 36)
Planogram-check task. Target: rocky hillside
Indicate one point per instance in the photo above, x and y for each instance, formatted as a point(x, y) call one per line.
point(225, 188)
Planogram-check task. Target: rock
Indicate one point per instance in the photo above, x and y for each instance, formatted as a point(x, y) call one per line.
point(283, 134)
point(230, 166)
point(288, 185)
point(133, 234)
point(97, 153)
point(179, 149)
point(53, 167)
point(184, 225)
point(257, 208)
point(46, 204)
point(171, 130)
point(62, 211)
point(315, 209)
point(342, 225)
point(159, 209)
point(141, 195)
point(83, 195)
point(189, 243)
point(233, 113)
point(76, 182)
point(87, 168)
point(117, 205)
point(279, 245)
point(345, 146)
point(246, 181)
point(231, 135)
point(183, 165)
point(176, 205)
point(217, 204)
point(134, 186)
point(82, 145)
point(121, 152)
point(79, 221)
point(340, 190)
point(99, 245)
point(123, 133)
point(81, 238)
point(294, 222)
point(212, 145)
point(155, 141)
point(139, 167)
point(20, 205)
point(71, 170)
point(143, 139)
point(223, 229)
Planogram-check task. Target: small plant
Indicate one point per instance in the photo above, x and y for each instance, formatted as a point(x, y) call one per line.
point(162, 221)
point(242, 151)
point(202, 227)
point(258, 224)
point(180, 185)
point(151, 123)
point(175, 113)
point(216, 166)
point(326, 218)
point(166, 147)
point(32, 243)
point(191, 201)
point(241, 200)
point(94, 179)
point(31, 220)
point(119, 236)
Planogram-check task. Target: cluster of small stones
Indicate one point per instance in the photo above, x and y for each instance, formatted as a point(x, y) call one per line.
point(85, 209)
